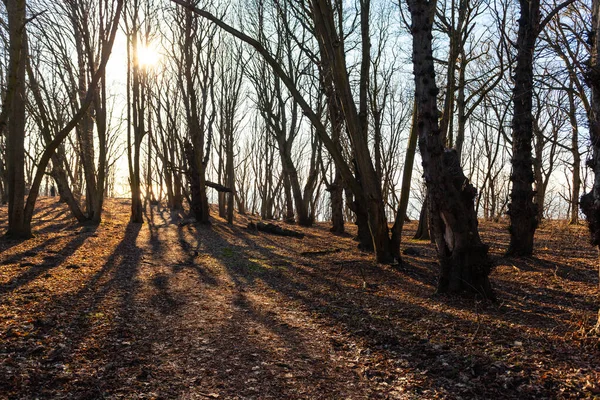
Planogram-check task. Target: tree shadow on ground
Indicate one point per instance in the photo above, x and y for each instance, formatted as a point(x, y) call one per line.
point(36, 267)
point(68, 322)
point(339, 303)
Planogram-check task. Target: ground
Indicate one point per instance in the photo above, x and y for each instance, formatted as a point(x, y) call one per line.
point(174, 310)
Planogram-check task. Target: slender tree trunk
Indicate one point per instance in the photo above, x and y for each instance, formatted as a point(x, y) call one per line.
point(289, 198)
point(138, 102)
point(461, 108)
point(538, 173)
point(522, 210)
point(422, 232)
point(576, 159)
point(101, 128)
point(405, 188)
point(336, 191)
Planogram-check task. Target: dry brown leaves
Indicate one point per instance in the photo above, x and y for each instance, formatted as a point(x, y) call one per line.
point(164, 310)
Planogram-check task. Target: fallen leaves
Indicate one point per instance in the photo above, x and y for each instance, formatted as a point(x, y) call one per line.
point(185, 311)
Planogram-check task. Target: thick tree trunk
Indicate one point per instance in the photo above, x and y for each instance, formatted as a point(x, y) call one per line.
point(463, 258)
point(17, 226)
point(522, 210)
point(590, 202)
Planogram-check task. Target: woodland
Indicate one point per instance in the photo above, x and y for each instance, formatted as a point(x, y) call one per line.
point(299, 199)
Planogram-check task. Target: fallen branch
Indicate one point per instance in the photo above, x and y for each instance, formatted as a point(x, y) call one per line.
point(320, 252)
point(274, 229)
point(219, 187)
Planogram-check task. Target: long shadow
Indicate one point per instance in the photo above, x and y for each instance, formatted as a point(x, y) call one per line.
point(78, 313)
point(50, 261)
point(191, 252)
point(352, 311)
point(244, 344)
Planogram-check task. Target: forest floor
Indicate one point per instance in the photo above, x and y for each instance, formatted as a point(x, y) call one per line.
point(174, 311)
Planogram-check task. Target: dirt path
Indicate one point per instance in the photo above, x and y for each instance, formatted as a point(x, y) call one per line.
point(169, 310)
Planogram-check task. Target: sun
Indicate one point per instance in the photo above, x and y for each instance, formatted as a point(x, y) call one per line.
point(147, 55)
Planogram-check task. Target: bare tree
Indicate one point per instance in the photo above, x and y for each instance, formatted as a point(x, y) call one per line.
point(465, 265)
point(522, 210)
point(231, 72)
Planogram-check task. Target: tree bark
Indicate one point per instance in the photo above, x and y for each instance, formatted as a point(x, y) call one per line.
point(17, 227)
point(409, 161)
point(422, 232)
point(590, 202)
point(463, 257)
point(576, 165)
point(336, 191)
point(522, 210)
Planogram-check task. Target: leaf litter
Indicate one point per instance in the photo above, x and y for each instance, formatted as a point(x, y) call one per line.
point(171, 310)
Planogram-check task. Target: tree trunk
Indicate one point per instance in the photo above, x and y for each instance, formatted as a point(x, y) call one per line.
point(576, 159)
point(357, 206)
point(409, 161)
point(199, 201)
point(590, 202)
point(463, 258)
point(17, 227)
point(336, 191)
point(64, 191)
point(230, 174)
point(356, 124)
point(538, 173)
point(522, 210)
point(16, 121)
point(289, 198)
point(461, 107)
point(422, 232)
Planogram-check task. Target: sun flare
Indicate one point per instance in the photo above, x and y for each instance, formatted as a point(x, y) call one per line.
point(147, 55)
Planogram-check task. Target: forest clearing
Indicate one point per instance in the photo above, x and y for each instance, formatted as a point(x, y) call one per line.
point(168, 310)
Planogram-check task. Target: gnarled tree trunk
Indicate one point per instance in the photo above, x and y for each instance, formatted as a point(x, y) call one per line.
point(522, 210)
point(464, 262)
point(590, 202)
